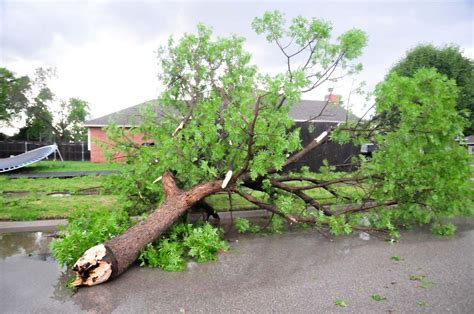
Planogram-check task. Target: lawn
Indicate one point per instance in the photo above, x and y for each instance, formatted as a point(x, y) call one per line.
point(48, 185)
point(48, 207)
point(63, 166)
point(30, 199)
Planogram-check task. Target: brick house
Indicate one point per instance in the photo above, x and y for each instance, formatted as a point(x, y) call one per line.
point(305, 113)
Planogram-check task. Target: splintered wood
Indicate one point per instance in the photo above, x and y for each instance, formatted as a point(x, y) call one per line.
point(91, 269)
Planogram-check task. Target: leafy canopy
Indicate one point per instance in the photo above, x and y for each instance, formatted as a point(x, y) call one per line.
point(31, 99)
point(13, 95)
point(219, 113)
point(234, 117)
point(447, 60)
point(419, 163)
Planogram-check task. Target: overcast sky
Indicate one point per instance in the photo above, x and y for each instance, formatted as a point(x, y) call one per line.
point(104, 51)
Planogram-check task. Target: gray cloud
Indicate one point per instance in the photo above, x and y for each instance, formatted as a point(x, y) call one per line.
point(28, 29)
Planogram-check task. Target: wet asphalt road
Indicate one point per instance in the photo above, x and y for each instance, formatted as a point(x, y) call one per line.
point(297, 272)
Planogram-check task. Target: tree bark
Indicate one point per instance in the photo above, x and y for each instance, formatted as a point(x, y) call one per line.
point(105, 261)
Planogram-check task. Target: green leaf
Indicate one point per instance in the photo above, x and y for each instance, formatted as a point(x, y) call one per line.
point(443, 229)
point(378, 297)
point(417, 277)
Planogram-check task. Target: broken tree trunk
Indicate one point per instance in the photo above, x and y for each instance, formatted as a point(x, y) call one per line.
point(105, 261)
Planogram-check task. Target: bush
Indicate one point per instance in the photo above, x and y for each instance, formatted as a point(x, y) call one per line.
point(443, 229)
point(184, 241)
point(86, 228)
point(243, 225)
point(204, 242)
point(167, 255)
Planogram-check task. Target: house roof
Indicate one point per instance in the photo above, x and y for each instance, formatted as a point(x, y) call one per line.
point(313, 110)
point(303, 111)
point(470, 139)
point(126, 117)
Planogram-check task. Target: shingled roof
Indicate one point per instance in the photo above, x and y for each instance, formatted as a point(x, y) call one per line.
point(470, 139)
point(303, 111)
point(313, 110)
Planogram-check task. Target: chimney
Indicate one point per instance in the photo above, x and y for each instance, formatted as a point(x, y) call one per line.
point(335, 99)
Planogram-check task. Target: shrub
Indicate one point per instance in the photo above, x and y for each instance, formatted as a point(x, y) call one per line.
point(243, 225)
point(204, 242)
point(86, 228)
point(167, 255)
point(184, 241)
point(443, 229)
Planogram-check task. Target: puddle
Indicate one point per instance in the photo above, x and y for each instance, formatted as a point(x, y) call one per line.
point(32, 244)
point(16, 193)
point(59, 194)
point(30, 275)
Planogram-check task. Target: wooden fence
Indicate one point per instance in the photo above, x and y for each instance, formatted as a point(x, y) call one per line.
point(69, 151)
point(337, 155)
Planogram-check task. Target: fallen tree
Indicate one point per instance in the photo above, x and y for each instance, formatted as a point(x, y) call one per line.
point(225, 128)
point(105, 261)
point(112, 258)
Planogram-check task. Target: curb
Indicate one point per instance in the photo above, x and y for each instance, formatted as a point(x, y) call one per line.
point(30, 226)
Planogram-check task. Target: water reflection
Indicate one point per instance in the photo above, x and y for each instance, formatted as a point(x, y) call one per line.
point(14, 247)
point(25, 243)
point(62, 292)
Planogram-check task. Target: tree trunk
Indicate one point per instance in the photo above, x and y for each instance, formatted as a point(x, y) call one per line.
point(105, 261)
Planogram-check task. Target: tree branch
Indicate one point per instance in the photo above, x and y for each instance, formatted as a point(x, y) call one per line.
point(325, 75)
point(271, 208)
point(169, 185)
point(251, 140)
point(358, 208)
point(321, 139)
point(305, 197)
point(322, 184)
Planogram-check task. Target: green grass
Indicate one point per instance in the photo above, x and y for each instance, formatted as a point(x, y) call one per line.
point(46, 207)
point(220, 201)
point(63, 166)
point(50, 184)
point(33, 201)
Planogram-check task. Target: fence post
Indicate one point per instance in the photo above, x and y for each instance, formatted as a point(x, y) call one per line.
point(82, 151)
point(59, 152)
point(26, 146)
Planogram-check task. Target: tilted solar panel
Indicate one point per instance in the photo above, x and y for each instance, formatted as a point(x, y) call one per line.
point(25, 159)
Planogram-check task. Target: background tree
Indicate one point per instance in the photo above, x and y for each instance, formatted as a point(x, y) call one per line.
point(38, 125)
point(39, 118)
point(70, 117)
point(34, 100)
point(225, 128)
point(13, 95)
point(447, 60)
